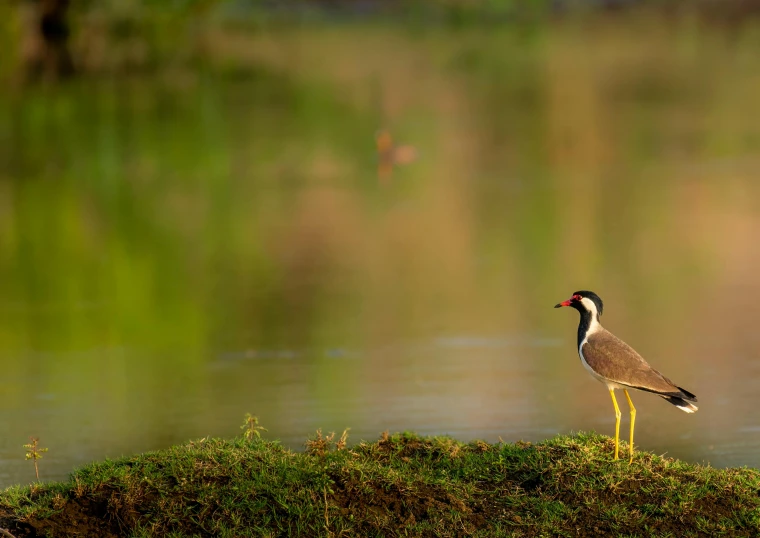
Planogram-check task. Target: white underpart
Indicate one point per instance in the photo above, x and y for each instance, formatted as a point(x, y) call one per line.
point(594, 327)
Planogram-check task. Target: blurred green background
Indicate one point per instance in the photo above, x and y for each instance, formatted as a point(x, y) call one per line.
point(192, 226)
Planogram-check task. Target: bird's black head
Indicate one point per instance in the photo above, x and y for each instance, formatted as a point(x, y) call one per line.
point(584, 301)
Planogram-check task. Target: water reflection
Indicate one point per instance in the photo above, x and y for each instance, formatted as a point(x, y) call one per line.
point(486, 387)
point(171, 259)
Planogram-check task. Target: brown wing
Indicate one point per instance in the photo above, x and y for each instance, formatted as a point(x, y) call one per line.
point(615, 360)
point(404, 154)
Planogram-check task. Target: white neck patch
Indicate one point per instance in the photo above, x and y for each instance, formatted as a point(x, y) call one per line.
point(591, 307)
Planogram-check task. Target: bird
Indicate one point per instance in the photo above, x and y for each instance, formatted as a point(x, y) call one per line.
point(391, 155)
point(618, 365)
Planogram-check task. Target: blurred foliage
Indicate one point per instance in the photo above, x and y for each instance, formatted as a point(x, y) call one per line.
point(140, 35)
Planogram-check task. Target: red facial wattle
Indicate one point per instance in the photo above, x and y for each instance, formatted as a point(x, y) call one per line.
point(569, 302)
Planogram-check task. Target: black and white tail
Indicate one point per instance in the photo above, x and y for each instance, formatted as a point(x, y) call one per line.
point(682, 401)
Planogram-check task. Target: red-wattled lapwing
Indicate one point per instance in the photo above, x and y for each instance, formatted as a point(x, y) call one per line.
point(617, 365)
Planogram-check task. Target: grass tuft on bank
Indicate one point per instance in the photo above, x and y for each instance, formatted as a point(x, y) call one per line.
point(400, 485)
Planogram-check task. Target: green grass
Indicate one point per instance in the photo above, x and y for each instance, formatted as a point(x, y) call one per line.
point(401, 485)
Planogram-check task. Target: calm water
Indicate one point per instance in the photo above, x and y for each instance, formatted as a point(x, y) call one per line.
point(180, 248)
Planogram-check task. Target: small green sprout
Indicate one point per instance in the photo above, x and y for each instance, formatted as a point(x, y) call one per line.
point(34, 454)
point(251, 428)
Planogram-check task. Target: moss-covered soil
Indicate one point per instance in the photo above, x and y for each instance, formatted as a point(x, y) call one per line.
point(401, 485)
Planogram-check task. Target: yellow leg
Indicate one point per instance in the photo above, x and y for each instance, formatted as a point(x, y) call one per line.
point(617, 422)
point(633, 421)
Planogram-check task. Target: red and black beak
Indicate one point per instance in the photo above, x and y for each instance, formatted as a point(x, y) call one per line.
point(564, 303)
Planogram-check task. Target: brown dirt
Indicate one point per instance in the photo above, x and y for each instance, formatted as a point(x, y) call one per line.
point(103, 514)
point(81, 517)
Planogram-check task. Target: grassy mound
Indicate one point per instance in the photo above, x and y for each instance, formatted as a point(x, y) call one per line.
point(401, 485)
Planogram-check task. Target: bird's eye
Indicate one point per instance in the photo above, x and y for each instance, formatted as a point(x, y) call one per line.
point(577, 297)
